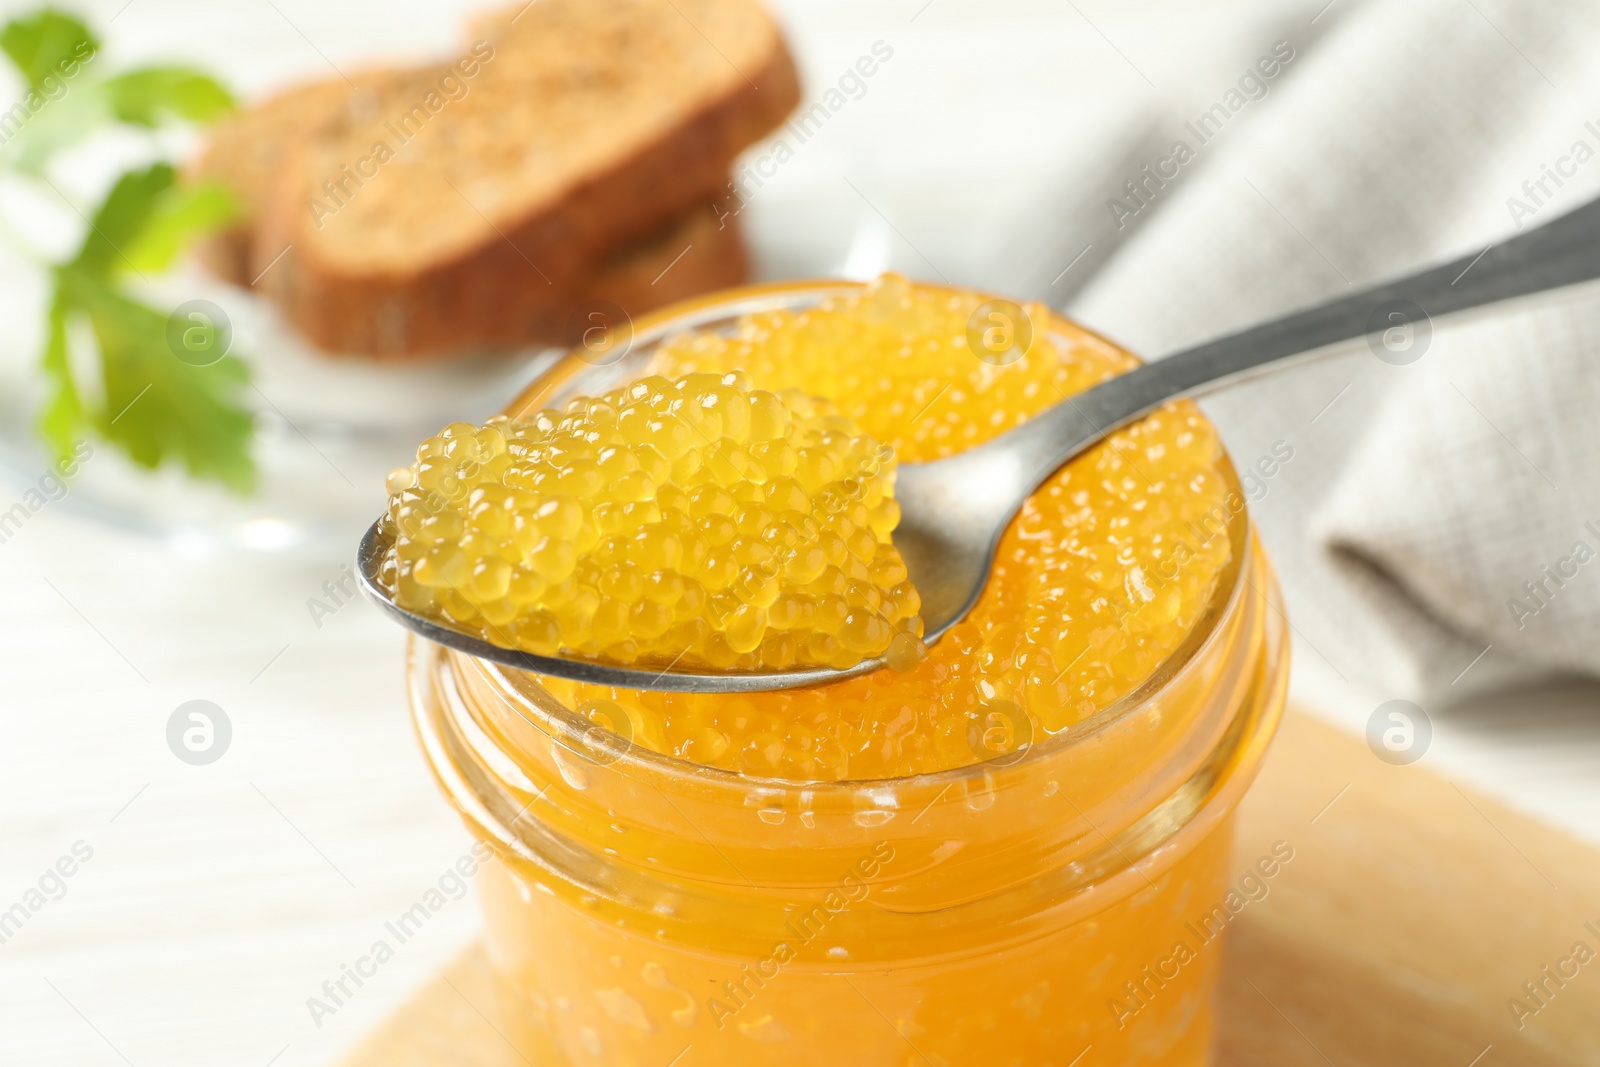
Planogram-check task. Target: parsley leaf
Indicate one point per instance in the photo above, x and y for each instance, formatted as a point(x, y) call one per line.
point(48, 44)
point(75, 110)
point(178, 215)
point(157, 406)
point(145, 97)
point(161, 402)
point(63, 412)
point(119, 220)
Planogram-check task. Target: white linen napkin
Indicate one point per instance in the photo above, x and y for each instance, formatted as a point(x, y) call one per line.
point(1421, 500)
point(1472, 497)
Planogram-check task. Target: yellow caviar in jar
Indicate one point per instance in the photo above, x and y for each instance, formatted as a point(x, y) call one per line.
point(698, 522)
point(827, 903)
point(1100, 578)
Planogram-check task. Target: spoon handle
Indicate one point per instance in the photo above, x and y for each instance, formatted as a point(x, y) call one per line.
point(1562, 252)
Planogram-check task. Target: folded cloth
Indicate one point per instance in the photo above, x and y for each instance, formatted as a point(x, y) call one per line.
point(1438, 527)
point(1473, 499)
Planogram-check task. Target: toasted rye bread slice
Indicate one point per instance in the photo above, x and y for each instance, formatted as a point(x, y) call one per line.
point(454, 214)
point(694, 253)
point(246, 153)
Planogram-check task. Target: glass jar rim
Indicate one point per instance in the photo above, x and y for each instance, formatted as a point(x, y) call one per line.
point(577, 733)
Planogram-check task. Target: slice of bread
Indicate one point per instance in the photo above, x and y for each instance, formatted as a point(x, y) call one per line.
point(695, 253)
point(246, 153)
point(453, 208)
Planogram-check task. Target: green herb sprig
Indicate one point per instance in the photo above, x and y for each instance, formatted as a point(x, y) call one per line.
point(156, 406)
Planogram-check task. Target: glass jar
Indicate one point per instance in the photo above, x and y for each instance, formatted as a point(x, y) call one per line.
point(648, 911)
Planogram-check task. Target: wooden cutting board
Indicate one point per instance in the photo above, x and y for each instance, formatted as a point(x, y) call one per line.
point(1400, 934)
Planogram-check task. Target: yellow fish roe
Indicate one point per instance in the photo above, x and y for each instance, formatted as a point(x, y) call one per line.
point(698, 522)
point(1100, 578)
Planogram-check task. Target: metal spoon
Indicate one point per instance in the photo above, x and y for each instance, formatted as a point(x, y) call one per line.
point(954, 510)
